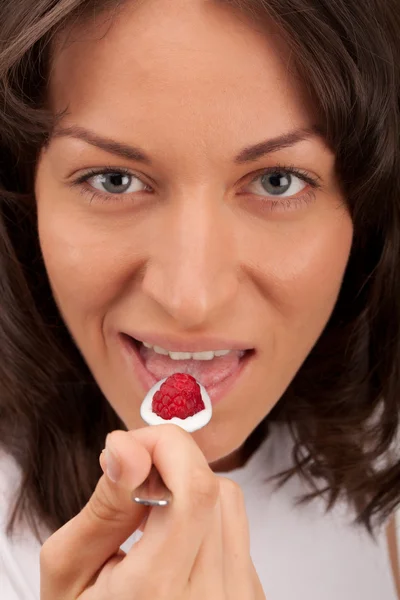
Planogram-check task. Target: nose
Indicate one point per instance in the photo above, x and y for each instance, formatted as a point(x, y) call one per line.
point(192, 270)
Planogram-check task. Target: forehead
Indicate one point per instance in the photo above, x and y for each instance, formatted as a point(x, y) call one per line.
point(160, 62)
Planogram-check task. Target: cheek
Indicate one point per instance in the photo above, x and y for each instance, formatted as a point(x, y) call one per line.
point(83, 259)
point(305, 275)
point(74, 261)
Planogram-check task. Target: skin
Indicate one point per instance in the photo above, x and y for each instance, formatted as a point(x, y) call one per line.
point(209, 250)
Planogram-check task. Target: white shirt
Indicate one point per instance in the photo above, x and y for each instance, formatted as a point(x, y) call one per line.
point(299, 552)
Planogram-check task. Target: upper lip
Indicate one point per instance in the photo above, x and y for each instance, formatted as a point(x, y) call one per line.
point(175, 344)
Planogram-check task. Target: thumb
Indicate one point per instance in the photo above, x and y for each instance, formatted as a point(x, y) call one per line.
point(80, 548)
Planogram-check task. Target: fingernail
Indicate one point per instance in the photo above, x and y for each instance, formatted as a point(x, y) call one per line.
point(113, 468)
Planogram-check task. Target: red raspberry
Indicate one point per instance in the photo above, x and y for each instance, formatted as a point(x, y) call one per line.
point(179, 396)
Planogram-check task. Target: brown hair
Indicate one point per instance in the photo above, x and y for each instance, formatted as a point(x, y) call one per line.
point(343, 404)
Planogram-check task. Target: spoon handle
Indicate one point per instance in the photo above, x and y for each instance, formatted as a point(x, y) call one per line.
point(153, 491)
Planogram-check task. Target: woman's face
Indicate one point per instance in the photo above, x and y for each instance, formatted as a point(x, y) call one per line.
point(166, 214)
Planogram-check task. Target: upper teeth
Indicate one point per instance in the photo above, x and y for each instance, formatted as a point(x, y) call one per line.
point(208, 355)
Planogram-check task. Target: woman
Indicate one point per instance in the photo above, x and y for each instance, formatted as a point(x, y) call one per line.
point(144, 145)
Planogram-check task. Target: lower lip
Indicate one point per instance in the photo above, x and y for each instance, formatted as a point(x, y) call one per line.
point(216, 392)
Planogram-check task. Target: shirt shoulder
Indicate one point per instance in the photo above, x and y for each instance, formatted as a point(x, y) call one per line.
point(19, 554)
point(301, 549)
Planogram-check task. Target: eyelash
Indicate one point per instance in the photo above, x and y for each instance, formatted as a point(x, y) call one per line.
point(94, 194)
point(281, 203)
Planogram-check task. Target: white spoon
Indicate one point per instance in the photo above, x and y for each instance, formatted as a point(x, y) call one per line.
point(153, 491)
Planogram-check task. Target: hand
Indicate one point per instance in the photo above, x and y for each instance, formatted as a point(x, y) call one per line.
point(195, 548)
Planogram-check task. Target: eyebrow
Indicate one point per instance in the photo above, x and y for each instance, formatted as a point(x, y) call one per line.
point(248, 154)
point(252, 153)
point(104, 143)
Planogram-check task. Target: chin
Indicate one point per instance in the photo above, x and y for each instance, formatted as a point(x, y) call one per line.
point(216, 445)
point(217, 440)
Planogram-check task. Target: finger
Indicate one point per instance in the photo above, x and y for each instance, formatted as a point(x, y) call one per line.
point(73, 554)
point(173, 534)
point(207, 576)
point(258, 590)
point(237, 564)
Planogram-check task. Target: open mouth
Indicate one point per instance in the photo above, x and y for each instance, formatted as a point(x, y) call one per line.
point(217, 374)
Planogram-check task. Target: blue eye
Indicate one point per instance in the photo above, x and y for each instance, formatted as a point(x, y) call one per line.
point(116, 183)
point(277, 183)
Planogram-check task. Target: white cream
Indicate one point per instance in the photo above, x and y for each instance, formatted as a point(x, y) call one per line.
point(190, 424)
